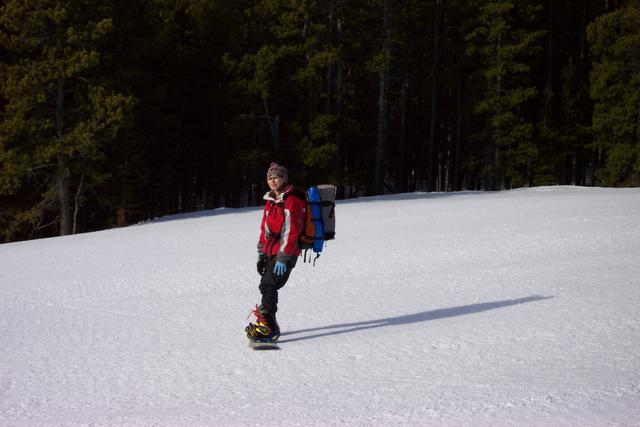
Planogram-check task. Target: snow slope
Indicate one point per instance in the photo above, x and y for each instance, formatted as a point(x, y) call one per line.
point(510, 308)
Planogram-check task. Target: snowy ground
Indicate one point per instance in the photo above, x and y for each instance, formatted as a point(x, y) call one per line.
point(511, 308)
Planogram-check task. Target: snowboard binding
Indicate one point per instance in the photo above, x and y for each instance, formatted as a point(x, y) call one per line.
point(264, 329)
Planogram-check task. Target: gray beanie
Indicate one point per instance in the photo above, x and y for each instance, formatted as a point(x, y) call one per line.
point(277, 170)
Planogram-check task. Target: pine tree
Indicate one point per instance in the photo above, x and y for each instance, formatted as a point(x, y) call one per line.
point(615, 88)
point(285, 80)
point(501, 42)
point(59, 112)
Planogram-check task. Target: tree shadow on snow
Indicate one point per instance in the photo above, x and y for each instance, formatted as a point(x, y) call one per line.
point(407, 319)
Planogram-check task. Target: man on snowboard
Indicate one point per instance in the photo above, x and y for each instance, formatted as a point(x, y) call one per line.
point(278, 249)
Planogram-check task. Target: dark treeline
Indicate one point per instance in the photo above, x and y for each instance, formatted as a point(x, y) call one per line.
point(116, 112)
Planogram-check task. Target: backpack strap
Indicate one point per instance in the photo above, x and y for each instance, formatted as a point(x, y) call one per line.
point(296, 192)
point(304, 257)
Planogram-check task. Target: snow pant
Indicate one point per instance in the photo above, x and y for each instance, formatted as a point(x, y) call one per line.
point(271, 283)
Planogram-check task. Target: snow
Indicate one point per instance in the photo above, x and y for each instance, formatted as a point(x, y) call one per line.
point(474, 308)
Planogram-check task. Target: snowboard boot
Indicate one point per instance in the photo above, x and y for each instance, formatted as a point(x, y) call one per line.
point(265, 328)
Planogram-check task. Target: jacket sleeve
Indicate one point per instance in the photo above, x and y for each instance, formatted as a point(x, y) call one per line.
point(293, 222)
point(264, 232)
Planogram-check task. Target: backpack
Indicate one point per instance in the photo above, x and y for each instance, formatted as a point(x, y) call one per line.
point(319, 221)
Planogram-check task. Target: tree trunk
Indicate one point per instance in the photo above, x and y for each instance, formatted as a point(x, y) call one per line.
point(340, 144)
point(548, 96)
point(401, 179)
point(63, 173)
point(76, 208)
point(497, 180)
point(64, 196)
point(329, 98)
point(431, 167)
point(583, 73)
point(379, 172)
point(455, 174)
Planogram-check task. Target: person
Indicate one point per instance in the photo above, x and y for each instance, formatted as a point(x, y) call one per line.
point(278, 249)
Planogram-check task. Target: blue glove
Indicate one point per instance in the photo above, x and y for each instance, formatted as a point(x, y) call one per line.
point(280, 268)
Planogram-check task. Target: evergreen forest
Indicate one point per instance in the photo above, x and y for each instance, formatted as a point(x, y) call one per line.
point(117, 112)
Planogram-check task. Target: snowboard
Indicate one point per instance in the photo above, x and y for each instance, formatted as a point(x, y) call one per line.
point(264, 345)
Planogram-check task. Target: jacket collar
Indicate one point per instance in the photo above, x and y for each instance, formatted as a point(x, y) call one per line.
point(270, 195)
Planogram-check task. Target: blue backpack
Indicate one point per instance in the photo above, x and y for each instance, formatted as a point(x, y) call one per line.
point(320, 219)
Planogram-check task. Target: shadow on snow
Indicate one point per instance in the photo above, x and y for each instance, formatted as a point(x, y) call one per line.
point(407, 319)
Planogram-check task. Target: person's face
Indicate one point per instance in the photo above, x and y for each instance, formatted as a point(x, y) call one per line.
point(275, 183)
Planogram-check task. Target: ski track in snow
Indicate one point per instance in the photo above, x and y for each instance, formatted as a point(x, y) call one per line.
point(497, 308)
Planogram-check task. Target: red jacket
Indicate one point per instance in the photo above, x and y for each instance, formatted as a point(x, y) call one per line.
point(282, 222)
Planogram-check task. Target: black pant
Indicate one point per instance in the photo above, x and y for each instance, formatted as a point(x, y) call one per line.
point(271, 283)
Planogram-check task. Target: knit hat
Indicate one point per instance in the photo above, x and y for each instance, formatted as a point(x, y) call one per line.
point(277, 170)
